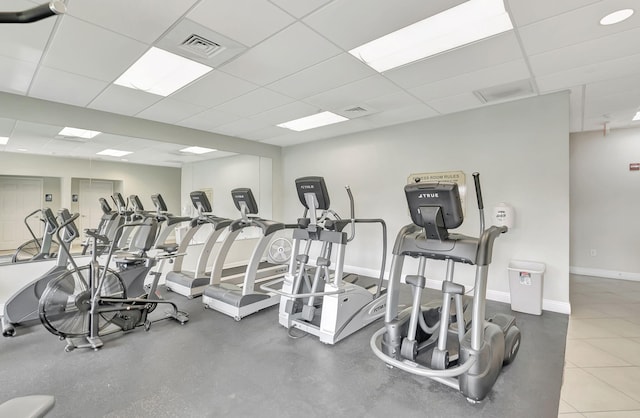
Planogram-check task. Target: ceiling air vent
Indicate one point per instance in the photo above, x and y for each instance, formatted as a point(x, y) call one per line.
point(504, 92)
point(201, 46)
point(355, 111)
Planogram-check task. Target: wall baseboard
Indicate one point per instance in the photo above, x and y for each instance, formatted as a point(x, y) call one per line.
point(609, 274)
point(493, 295)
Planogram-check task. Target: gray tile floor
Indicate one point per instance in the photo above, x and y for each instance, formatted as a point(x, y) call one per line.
point(216, 367)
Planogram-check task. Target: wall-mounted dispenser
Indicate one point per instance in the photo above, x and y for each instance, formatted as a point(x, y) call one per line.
point(503, 215)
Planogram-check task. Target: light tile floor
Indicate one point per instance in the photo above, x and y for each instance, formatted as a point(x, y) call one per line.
point(602, 360)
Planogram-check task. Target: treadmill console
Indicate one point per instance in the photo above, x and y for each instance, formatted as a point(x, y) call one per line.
point(316, 186)
point(50, 218)
point(120, 203)
point(201, 201)
point(135, 201)
point(105, 206)
point(244, 195)
point(72, 230)
point(426, 199)
point(159, 203)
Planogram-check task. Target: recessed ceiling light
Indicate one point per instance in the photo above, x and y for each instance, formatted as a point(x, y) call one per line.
point(4, 140)
point(161, 72)
point(468, 22)
point(197, 150)
point(78, 133)
point(114, 153)
point(22, 150)
point(313, 121)
point(636, 117)
point(616, 17)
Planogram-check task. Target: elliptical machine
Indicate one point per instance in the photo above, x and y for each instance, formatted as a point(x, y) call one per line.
point(331, 305)
point(421, 340)
point(22, 307)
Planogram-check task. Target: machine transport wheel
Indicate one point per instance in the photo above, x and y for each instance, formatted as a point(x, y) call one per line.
point(511, 344)
point(64, 305)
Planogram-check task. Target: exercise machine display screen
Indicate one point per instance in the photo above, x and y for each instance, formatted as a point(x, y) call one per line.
point(244, 195)
point(435, 195)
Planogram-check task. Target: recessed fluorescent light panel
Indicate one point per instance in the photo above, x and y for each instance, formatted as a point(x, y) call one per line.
point(313, 121)
point(78, 133)
point(469, 22)
point(616, 17)
point(636, 117)
point(197, 150)
point(114, 153)
point(4, 140)
point(161, 72)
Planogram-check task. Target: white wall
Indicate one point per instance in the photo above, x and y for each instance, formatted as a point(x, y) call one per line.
point(605, 204)
point(225, 174)
point(521, 150)
point(142, 180)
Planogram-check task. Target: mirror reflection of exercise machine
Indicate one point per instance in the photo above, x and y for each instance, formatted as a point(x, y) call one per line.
point(37, 248)
point(21, 308)
point(232, 291)
point(192, 283)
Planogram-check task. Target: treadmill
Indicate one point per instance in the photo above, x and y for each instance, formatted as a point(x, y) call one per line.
point(192, 283)
point(235, 295)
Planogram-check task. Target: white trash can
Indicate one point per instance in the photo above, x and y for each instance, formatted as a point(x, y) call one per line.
point(525, 283)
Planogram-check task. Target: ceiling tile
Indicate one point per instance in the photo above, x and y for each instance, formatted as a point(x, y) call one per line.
point(334, 72)
point(576, 26)
point(372, 18)
point(169, 110)
point(254, 102)
point(402, 115)
point(608, 70)
point(286, 113)
point(299, 8)
point(614, 86)
point(487, 77)
point(213, 89)
point(524, 12)
point(289, 51)
point(64, 87)
point(484, 54)
point(123, 100)
point(393, 101)
point(208, 120)
point(610, 47)
point(358, 91)
point(15, 75)
point(32, 37)
point(82, 48)
point(246, 21)
point(144, 20)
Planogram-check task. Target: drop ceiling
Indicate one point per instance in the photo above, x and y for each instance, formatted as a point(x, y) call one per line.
point(290, 60)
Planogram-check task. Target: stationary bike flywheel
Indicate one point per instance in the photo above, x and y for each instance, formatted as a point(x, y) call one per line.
point(280, 251)
point(64, 306)
point(31, 248)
